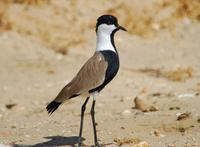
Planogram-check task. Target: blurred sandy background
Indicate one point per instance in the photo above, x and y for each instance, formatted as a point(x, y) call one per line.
point(154, 100)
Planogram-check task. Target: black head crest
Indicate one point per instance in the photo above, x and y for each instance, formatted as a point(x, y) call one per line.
point(107, 19)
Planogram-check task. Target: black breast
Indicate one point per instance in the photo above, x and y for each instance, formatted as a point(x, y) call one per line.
point(113, 66)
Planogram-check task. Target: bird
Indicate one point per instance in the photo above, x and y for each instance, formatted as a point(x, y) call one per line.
point(95, 74)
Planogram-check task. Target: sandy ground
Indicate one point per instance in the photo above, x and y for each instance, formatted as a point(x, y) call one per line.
point(163, 71)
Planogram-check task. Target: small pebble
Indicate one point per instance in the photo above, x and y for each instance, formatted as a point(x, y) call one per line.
point(186, 95)
point(182, 130)
point(27, 136)
point(171, 145)
point(182, 116)
point(174, 108)
point(156, 26)
point(186, 21)
point(157, 133)
point(141, 144)
point(59, 56)
point(126, 112)
point(140, 105)
point(10, 106)
point(13, 127)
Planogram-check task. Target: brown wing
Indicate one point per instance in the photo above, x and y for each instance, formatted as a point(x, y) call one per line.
point(90, 76)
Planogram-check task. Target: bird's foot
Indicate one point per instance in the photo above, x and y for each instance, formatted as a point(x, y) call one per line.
point(97, 144)
point(79, 142)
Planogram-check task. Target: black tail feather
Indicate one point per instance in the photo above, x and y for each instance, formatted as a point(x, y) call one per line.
point(52, 107)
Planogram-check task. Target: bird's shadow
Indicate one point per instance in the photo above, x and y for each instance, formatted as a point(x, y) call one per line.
point(55, 141)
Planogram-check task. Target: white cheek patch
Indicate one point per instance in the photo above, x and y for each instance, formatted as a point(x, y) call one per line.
point(106, 28)
point(104, 37)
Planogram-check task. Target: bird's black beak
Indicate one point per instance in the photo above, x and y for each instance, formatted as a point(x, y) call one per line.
point(121, 28)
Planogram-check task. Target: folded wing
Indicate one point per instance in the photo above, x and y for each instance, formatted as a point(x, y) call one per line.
point(90, 76)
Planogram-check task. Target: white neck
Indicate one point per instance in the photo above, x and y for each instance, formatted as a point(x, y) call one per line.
point(104, 40)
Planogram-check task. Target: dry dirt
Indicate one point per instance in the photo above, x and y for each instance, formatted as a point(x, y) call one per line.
point(44, 43)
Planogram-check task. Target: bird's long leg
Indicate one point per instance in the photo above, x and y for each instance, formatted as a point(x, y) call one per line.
point(94, 123)
point(81, 124)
